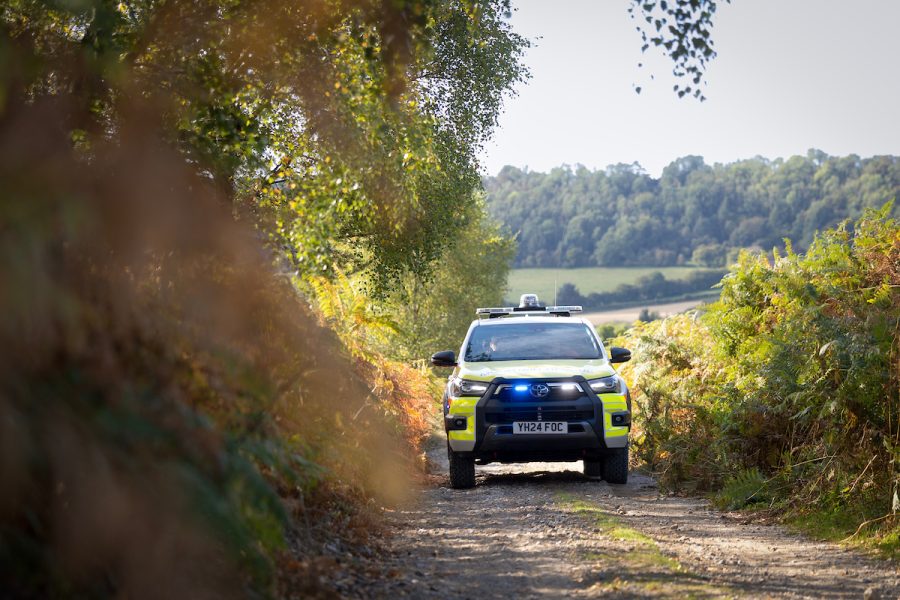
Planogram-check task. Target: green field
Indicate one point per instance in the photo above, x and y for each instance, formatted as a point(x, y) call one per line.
point(588, 280)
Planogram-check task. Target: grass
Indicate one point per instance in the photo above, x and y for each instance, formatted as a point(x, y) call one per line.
point(644, 551)
point(840, 525)
point(640, 566)
point(588, 279)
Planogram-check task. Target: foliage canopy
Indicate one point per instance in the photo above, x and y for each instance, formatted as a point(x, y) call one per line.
point(354, 122)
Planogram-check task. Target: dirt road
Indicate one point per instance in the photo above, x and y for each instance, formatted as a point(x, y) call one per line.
point(630, 315)
point(546, 531)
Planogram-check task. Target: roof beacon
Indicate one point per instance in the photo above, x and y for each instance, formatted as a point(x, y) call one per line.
point(529, 301)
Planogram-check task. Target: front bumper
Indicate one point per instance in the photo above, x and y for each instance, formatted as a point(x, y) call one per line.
point(488, 434)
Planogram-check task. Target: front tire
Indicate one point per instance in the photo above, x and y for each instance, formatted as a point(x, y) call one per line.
point(615, 466)
point(462, 471)
point(593, 468)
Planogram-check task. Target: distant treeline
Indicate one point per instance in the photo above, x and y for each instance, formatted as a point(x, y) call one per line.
point(647, 288)
point(575, 217)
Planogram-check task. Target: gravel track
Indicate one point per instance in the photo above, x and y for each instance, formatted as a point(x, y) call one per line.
point(543, 530)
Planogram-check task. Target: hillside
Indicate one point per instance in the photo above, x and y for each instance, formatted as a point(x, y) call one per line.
point(694, 213)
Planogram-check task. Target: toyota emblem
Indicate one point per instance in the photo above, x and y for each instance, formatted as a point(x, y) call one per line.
point(539, 390)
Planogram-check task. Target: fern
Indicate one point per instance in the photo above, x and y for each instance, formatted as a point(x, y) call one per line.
point(746, 487)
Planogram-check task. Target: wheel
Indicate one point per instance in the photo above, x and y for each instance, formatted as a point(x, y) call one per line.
point(615, 466)
point(462, 471)
point(593, 468)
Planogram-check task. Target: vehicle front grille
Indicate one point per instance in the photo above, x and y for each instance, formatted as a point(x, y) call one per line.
point(557, 394)
point(562, 413)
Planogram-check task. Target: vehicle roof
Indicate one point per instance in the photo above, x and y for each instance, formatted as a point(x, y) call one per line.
point(523, 320)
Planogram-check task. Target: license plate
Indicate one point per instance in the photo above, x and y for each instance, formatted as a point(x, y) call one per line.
point(540, 427)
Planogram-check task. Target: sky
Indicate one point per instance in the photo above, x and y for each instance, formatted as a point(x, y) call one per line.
point(790, 75)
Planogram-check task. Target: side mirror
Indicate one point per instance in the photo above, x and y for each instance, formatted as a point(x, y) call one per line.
point(447, 358)
point(619, 355)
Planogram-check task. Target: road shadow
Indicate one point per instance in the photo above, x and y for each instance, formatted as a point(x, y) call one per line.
point(533, 478)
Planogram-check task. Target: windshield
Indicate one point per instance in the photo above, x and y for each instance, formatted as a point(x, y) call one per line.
point(532, 341)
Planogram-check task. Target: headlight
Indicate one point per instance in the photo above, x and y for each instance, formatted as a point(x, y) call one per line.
point(464, 387)
point(605, 385)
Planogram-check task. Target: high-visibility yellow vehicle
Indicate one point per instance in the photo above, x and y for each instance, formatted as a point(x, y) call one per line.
point(535, 383)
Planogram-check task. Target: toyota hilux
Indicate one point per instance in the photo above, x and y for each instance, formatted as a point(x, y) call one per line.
point(534, 383)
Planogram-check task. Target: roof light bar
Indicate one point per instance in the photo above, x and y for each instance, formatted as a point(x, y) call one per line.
point(494, 311)
point(503, 311)
point(568, 309)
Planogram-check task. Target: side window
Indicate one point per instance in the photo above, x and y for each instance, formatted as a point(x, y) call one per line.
point(465, 343)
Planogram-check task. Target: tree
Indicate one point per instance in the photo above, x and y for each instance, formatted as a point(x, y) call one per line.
point(340, 128)
point(621, 216)
point(646, 316)
point(434, 314)
point(709, 255)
